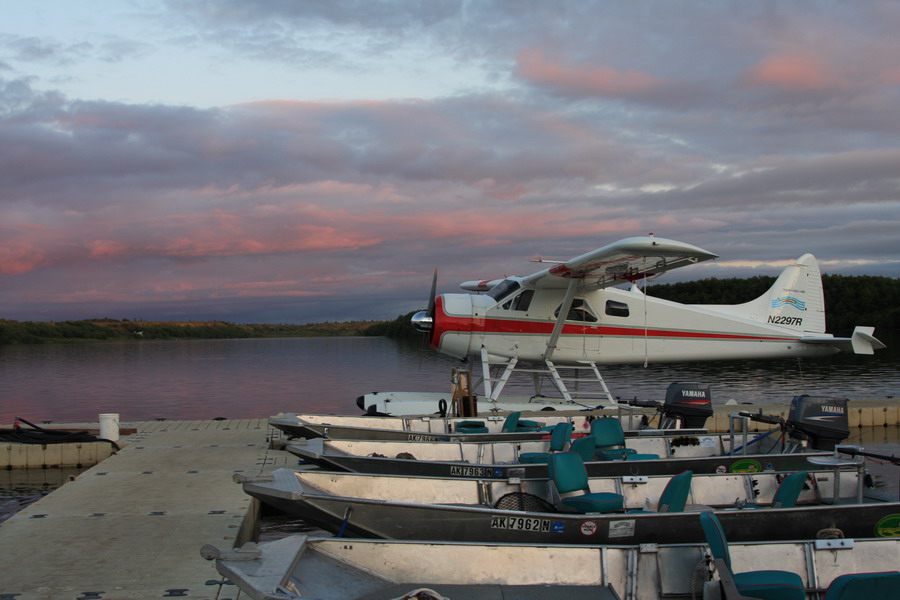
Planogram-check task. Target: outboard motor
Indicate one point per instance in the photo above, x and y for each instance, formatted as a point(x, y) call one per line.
point(823, 420)
point(689, 403)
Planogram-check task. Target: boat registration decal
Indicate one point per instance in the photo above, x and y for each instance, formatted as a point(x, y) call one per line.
point(458, 471)
point(521, 524)
point(417, 437)
point(888, 526)
point(619, 529)
point(589, 528)
point(746, 465)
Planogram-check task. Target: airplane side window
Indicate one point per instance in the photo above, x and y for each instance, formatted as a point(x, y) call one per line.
point(523, 300)
point(579, 311)
point(616, 309)
point(503, 289)
point(520, 302)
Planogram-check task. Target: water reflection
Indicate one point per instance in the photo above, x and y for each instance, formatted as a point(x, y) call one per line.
point(260, 377)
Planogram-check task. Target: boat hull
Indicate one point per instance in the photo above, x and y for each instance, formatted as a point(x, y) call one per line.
point(297, 427)
point(316, 452)
point(426, 403)
point(371, 518)
point(344, 568)
point(408, 508)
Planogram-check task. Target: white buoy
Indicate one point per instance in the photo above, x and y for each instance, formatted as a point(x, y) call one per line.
point(109, 427)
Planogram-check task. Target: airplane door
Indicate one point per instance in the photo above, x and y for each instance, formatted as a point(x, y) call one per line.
point(583, 341)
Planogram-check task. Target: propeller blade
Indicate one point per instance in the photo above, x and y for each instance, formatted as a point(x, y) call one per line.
point(424, 319)
point(431, 295)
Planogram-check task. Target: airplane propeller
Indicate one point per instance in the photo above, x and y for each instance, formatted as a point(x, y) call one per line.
point(424, 319)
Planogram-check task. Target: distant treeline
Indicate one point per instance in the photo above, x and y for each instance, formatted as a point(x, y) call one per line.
point(849, 300)
point(37, 332)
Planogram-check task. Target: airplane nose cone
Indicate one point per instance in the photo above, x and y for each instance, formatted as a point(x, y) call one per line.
point(422, 321)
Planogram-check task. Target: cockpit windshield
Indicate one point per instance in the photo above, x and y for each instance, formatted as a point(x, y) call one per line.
point(504, 289)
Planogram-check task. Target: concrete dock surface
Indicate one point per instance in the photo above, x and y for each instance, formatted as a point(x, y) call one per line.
point(131, 527)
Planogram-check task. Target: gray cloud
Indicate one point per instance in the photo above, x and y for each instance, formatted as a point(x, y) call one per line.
point(601, 121)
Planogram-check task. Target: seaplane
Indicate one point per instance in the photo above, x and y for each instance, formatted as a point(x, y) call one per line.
point(588, 311)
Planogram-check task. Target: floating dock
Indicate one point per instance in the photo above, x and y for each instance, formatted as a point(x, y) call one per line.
point(862, 413)
point(131, 527)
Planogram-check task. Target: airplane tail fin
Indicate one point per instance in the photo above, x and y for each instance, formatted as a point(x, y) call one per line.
point(795, 301)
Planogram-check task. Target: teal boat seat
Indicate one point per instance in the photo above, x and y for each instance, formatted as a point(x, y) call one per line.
point(637, 456)
point(609, 439)
point(514, 422)
point(789, 490)
point(471, 427)
point(568, 475)
point(562, 432)
point(584, 447)
point(526, 425)
point(767, 585)
point(864, 586)
point(675, 495)
point(511, 422)
point(787, 493)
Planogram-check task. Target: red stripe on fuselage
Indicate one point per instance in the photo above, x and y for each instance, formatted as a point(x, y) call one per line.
point(458, 324)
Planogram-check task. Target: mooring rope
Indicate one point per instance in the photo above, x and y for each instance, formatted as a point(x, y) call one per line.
point(829, 533)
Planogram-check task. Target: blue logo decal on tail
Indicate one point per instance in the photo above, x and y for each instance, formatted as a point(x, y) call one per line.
point(796, 303)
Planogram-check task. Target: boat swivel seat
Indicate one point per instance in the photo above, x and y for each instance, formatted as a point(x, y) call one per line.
point(471, 427)
point(562, 432)
point(609, 439)
point(568, 474)
point(853, 586)
point(787, 493)
point(514, 422)
point(767, 585)
point(584, 447)
point(675, 495)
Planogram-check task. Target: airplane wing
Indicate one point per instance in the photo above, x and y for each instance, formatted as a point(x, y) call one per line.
point(630, 259)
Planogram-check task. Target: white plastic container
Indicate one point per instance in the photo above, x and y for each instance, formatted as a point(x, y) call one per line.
point(109, 427)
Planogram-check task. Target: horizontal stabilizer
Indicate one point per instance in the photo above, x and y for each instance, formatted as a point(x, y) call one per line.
point(864, 342)
point(861, 342)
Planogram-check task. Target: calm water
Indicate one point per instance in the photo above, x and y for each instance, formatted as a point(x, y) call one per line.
point(261, 377)
point(68, 383)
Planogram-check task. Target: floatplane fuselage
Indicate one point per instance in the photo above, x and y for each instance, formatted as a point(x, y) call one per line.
point(571, 314)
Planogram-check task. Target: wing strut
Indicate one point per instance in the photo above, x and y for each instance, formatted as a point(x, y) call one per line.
point(561, 319)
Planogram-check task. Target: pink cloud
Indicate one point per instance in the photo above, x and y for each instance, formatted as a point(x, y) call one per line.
point(106, 248)
point(795, 72)
point(15, 261)
point(532, 66)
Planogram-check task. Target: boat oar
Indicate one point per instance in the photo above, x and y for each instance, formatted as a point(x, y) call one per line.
point(852, 452)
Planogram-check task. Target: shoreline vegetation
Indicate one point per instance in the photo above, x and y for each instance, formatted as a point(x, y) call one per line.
point(114, 330)
point(849, 300)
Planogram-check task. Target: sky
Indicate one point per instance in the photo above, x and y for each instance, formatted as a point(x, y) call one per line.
point(298, 161)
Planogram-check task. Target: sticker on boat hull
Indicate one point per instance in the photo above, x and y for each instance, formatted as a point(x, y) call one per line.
point(420, 437)
point(888, 526)
point(619, 529)
point(459, 471)
point(521, 524)
point(746, 465)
